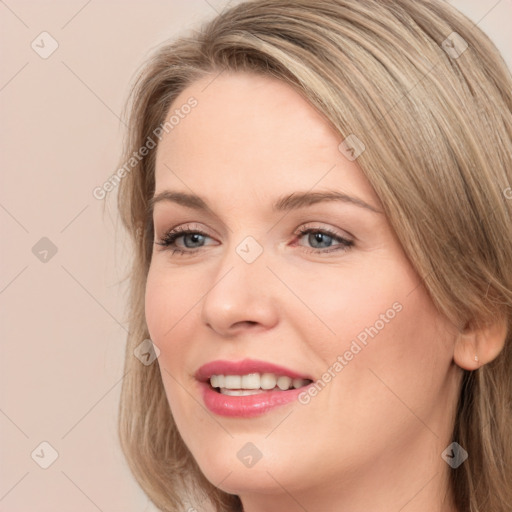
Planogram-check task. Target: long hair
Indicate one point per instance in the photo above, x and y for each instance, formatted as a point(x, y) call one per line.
point(429, 96)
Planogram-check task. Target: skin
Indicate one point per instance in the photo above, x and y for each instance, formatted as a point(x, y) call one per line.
point(372, 438)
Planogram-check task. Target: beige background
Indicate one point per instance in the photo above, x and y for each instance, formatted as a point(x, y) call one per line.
point(62, 320)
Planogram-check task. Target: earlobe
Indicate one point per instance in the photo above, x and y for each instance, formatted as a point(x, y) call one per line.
point(475, 347)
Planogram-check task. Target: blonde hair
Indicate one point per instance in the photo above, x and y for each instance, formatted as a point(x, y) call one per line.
point(435, 119)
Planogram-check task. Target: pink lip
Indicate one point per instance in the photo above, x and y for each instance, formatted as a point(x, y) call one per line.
point(250, 405)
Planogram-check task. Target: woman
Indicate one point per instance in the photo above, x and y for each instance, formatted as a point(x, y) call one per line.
point(321, 217)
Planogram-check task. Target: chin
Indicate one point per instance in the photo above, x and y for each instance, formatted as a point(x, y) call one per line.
point(235, 468)
point(246, 481)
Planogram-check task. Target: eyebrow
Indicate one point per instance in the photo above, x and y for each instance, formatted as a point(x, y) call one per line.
point(293, 201)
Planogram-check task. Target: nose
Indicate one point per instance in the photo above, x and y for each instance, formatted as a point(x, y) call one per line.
point(242, 296)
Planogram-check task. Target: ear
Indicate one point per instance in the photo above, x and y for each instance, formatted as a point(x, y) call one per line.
point(477, 346)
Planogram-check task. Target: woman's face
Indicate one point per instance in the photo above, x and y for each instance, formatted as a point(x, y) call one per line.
point(320, 288)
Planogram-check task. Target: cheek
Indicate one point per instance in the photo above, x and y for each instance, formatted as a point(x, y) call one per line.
point(394, 366)
point(166, 302)
point(350, 305)
point(171, 317)
point(388, 344)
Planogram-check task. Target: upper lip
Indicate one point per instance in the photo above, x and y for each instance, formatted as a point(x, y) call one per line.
point(244, 367)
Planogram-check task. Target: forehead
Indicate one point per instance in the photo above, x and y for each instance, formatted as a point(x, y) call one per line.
point(253, 131)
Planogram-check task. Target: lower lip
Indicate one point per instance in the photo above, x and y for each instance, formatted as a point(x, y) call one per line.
point(246, 406)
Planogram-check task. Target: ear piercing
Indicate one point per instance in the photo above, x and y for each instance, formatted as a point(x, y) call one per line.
point(476, 358)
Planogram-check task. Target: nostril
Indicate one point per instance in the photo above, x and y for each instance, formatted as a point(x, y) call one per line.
point(246, 323)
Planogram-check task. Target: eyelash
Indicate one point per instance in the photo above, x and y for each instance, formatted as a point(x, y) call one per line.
point(168, 240)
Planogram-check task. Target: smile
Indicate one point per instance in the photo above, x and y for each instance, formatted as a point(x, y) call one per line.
point(254, 383)
point(249, 387)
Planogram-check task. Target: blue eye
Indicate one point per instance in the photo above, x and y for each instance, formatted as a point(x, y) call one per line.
point(317, 236)
point(192, 240)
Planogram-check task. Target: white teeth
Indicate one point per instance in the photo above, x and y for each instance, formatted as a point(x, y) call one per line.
point(217, 381)
point(233, 381)
point(268, 381)
point(240, 392)
point(254, 382)
point(284, 383)
point(298, 383)
point(251, 381)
